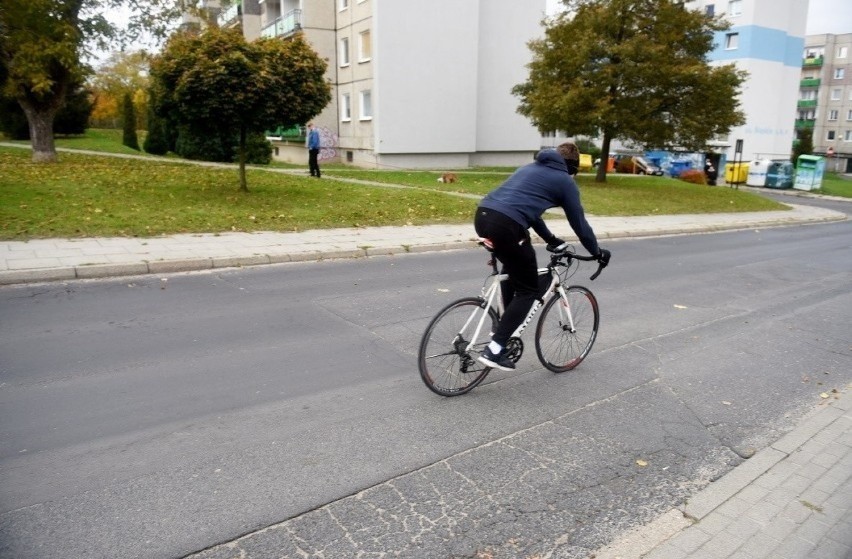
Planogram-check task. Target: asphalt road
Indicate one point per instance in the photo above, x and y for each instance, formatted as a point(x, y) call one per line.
point(151, 417)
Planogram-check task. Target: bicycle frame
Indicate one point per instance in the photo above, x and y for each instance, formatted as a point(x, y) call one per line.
point(492, 292)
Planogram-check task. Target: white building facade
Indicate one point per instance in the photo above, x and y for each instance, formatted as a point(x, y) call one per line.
point(412, 87)
point(766, 38)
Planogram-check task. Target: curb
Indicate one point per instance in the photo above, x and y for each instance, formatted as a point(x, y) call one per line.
point(641, 541)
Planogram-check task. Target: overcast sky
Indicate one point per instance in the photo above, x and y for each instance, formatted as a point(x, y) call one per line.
point(824, 16)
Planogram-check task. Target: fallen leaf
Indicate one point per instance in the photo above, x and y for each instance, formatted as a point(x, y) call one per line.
point(824, 395)
point(726, 403)
point(641, 463)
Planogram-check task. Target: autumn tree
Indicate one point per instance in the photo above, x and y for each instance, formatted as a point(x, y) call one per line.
point(122, 72)
point(43, 44)
point(633, 70)
point(216, 85)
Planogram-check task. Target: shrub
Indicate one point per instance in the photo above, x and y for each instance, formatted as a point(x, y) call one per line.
point(258, 150)
point(157, 140)
point(693, 176)
point(72, 118)
point(128, 113)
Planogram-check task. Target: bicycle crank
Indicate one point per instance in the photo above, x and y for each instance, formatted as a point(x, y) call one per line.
point(514, 349)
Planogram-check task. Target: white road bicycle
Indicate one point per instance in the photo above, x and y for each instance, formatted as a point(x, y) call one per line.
point(564, 335)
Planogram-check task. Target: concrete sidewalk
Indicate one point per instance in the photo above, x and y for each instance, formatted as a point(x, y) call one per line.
point(792, 500)
point(68, 259)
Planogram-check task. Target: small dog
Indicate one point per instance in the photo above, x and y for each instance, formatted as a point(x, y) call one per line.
point(447, 177)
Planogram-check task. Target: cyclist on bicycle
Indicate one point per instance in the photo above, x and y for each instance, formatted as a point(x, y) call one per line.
point(504, 217)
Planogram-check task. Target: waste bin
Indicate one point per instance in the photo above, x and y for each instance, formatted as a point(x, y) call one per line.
point(809, 171)
point(678, 166)
point(780, 175)
point(757, 171)
point(736, 173)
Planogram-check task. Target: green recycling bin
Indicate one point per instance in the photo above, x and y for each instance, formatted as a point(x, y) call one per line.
point(809, 171)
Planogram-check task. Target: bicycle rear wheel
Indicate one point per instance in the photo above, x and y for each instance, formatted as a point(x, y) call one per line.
point(446, 366)
point(560, 347)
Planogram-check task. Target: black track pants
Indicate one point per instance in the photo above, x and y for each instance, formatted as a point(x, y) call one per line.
point(513, 249)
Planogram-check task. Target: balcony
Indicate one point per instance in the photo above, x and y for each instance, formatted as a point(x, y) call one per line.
point(285, 25)
point(230, 16)
point(806, 104)
point(812, 62)
point(805, 124)
point(809, 82)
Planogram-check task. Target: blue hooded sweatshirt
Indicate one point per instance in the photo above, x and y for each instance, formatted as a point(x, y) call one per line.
point(537, 187)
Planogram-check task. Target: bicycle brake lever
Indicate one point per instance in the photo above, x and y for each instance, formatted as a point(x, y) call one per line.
point(598, 272)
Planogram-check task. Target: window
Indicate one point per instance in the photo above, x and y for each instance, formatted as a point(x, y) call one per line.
point(807, 95)
point(847, 136)
point(836, 94)
point(710, 10)
point(343, 4)
point(344, 51)
point(732, 40)
point(839, 73)
point(735, 7)
point(830, 135)
point(345, 107)
point(832, 114)
point(366, 105)
point(365, 47)
point(842, 52)
point(849, 115)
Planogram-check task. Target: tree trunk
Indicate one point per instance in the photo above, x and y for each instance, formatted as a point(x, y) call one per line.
point(604, 164)
point(41, 132)
point(243, 184)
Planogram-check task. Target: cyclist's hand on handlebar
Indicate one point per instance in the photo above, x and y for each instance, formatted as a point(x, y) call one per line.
point(604, 256)
point(556, 245)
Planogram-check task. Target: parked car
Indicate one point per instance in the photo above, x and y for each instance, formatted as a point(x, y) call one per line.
point(645, 167)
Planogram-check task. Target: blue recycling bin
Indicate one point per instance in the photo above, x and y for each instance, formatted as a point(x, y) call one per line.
point(679, 166)
point(780, 174)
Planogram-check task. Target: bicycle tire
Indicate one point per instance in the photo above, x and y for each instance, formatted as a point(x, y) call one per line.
point(558, 348)
point(445, 366)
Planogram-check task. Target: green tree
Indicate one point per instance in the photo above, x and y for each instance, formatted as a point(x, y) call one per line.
point(217, 85)
point(635, 70)
point(43, 42)
point(804, 144)
point(157, 139)
point(72, 118)
point(128, 113)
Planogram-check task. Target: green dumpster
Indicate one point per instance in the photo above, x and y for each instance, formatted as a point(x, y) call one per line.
point(809, 171)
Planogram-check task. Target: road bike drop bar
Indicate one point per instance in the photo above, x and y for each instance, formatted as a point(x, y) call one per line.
point(560, 252)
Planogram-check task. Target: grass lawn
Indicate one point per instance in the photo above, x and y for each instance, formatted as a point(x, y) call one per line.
point(89, 195)
point(835, 184)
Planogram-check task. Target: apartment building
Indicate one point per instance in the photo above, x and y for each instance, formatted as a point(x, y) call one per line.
point(766, 39)
point(412, 87)
point(825, 98)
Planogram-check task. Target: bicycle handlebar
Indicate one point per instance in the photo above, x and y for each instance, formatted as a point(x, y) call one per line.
point(561, 251)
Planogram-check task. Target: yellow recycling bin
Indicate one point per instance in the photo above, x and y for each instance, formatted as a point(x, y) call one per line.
point(736, 173)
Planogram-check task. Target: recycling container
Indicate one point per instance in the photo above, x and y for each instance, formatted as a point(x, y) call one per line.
point(780, 175)
point(736, 173)
point(757, 171)
point(809, 171)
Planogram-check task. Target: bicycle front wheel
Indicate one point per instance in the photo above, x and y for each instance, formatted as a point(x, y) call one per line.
point(446, 365)
point(567, 329)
